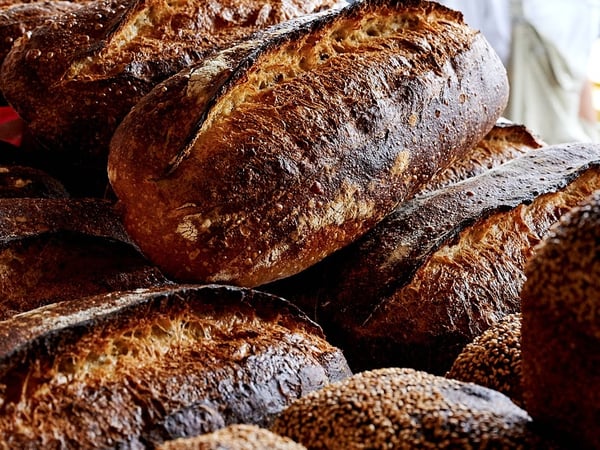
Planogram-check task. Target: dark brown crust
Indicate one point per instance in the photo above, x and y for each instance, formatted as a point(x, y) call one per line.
point(220, 355)
point(560, 339)
point(21, 182)
point(412, 293)
point(503, 143)
point(21, 17)
point(311, 163)
point(65, 249)
point(74, 114)
point(31, 217)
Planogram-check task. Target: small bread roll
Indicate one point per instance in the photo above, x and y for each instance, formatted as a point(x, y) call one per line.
point(493, 359)
point(234, 437)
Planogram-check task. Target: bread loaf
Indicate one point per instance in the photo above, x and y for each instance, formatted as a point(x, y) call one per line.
point(444, 267)
point(131, 370)
point(22, 182)
point(407, 409)
point(503, 143)
point(64, 249)
point(234, 437)
point(75, 78)
point(18, 18)
point(493, 359)
point(270, 155)
point(560, 334)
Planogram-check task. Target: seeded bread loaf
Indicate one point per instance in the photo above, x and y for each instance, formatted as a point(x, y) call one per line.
point(234, 437)
point(560, 333)
point(74, 79)
point(270, 155)
point(132, 370)
point(493, 359)
point(406, 409)
point(444, 267)
point(64, 249)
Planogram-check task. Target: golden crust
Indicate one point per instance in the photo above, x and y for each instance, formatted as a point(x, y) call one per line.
point(270, 155)
point(149, 365)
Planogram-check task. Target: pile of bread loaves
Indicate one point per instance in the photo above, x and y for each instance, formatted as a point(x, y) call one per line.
point(286, 224)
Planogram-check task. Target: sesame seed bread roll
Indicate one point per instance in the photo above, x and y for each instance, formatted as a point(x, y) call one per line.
point(406, 409)
point(493, 359)
point(560, 336)
point(234, 437)
point(134, 369)
point(271, 155)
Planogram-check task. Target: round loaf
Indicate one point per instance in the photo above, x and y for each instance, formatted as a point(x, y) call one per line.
point(272, 154)
point(561, 328)
point(493, 359)
point(234, 437)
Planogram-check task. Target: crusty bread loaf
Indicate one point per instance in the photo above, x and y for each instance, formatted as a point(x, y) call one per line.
point(234, 437)
point(64, 249)
point(74, 79)
point(129, 370)
point(560, 333)
point(407, 409)
point(270, 155)
point(503, 143)
point(18, 18)
point(493, 359)
point(443, 267)
point(22, 181)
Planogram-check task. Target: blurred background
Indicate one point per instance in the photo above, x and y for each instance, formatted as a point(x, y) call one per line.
point(551, 50)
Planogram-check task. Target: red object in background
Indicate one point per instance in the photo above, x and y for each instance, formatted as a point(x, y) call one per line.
point(11, 126)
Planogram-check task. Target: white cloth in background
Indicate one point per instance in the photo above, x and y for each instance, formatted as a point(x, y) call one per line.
point(550, 63)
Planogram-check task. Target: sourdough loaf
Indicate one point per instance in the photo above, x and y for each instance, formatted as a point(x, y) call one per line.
point(64, 249)
point(443, 267)
point(504, 142)
point(18, 18)
point(23, 181)
point(130, 370)
point(272, 154)
point(74, 79)
point(560, 335)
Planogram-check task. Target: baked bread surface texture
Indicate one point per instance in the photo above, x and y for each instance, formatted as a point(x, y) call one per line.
point(561, 328)
point(234, 437)
point(134, 369)
point(270, 155)
point(65, 249)
point(74, 79)
point(406, 409)
point(443, 267)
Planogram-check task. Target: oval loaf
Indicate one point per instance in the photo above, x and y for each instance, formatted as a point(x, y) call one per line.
point(444, 267)
point(130, 370)
point(272, 154)
point(75, 77)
